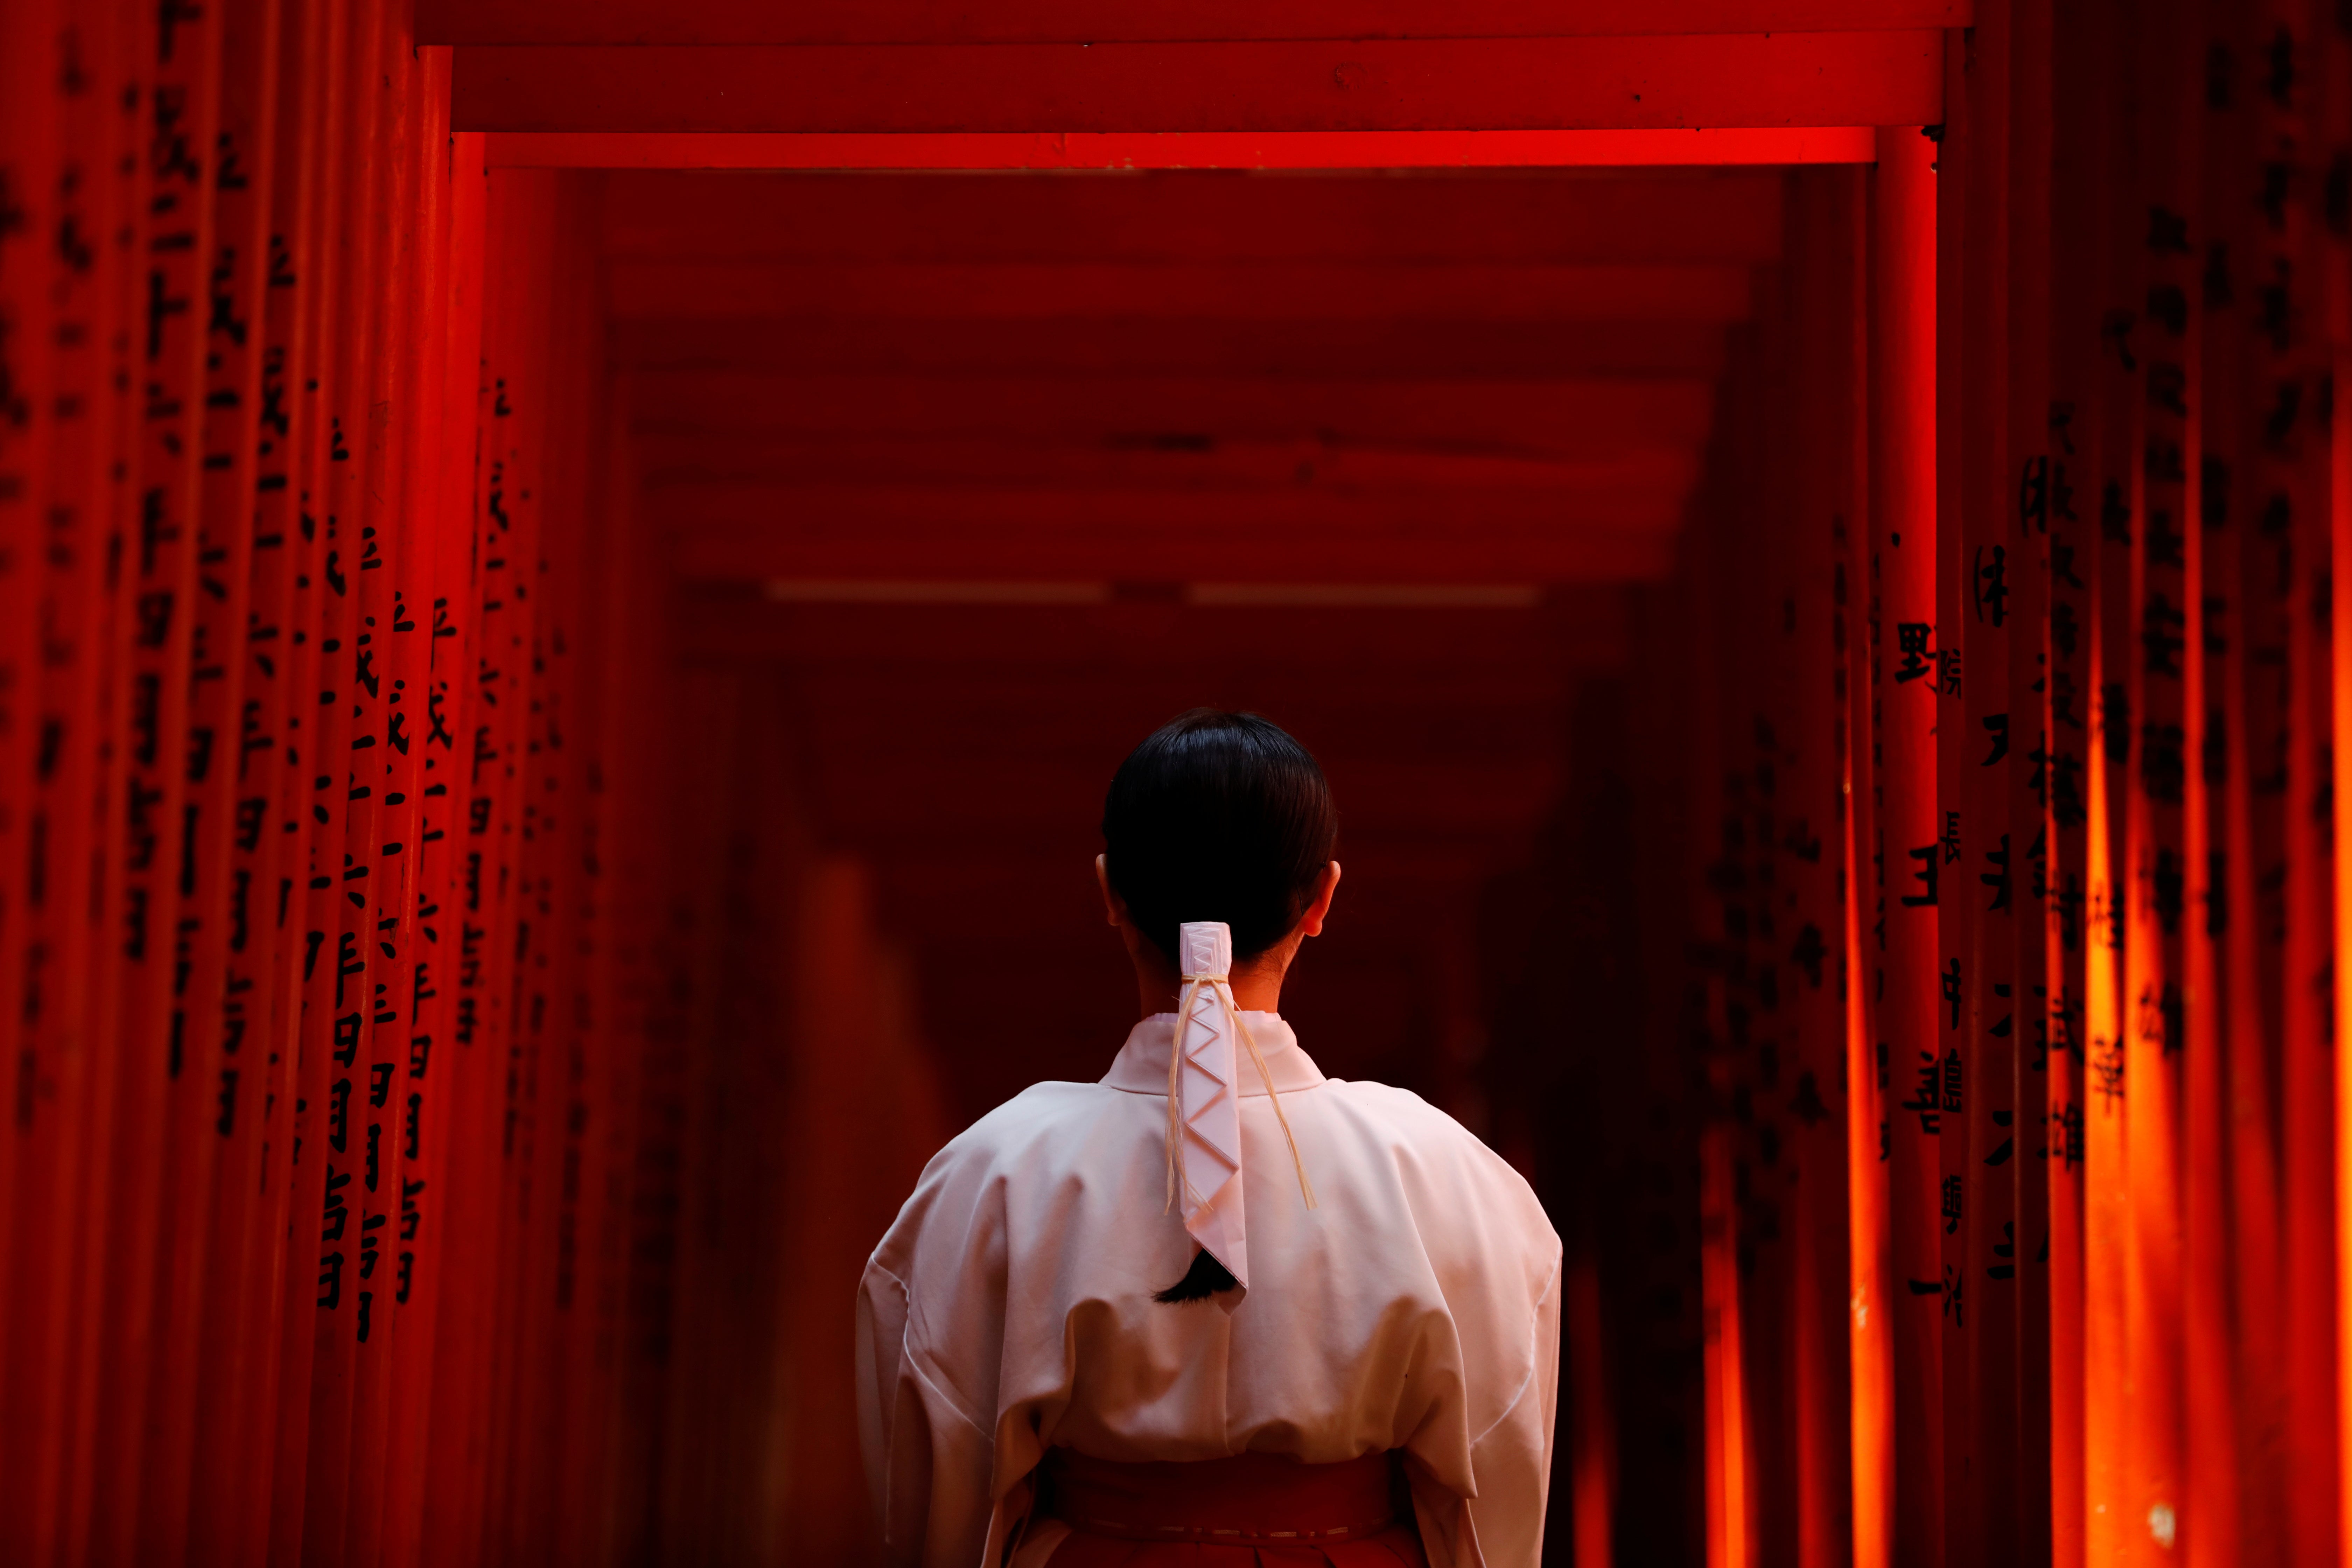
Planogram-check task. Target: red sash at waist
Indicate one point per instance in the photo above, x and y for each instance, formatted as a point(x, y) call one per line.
point(1265, 1507)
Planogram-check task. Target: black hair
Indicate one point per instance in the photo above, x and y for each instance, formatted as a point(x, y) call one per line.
point(1202, 1280)
point(1218, 817)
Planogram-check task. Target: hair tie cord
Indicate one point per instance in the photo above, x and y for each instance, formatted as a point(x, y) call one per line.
point(1225, 992)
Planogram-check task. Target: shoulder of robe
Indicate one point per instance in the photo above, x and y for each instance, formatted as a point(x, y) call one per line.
point(1034, 1122)
point(1014, 1140)
point(1465, 1192)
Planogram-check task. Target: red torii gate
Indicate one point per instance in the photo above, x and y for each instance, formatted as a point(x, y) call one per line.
point(1987, 483)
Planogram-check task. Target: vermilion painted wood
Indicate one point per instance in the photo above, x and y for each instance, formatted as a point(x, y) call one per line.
point(1453, 84)
point(2258, 907)
point(552, 1032)
point(209, 1021)
point(1372, 290)
point(2211, 1502)
point(2039, 1050)
point(617, 991)
point(2308, 1089)
point(1457, 646)
point(430, 1097)
point(1715, 873)
point(524, 1495)
point(2165, 689)
point(516, 365)
point(525, 1422)
point(2335, 130)
point(124, 48)
point(701, 705)
point(503, 599)
point(559, 1029)
point(2113, 1527)
point(449, 1091)
point(1998, 605)
point(313, 1422)
point(606, 986)
point(734, 22)
point(1169, 555)
point(1497, 763)
point(154, 686)
point(1557, 218)
point(643, 1239)
point(706, 703)
point(1568, 417)
point(1395, 799)
point(552, 1306)
point(1772, 811)
point(666, 457)
point(1903, 376)
point(1126, 152)
point(662, 873)
point(2298, 1012)
point(30, 124)
point(1959, 300)
point(1722, 1014)
point(31, 163)
point(1825, 410)
point(67, 954)
point(2070, 716)
point(2233, 1269)
point(401, 640)
point(393, 1379)
point(2029, 513)
point(1084, 347)
point(819, 514)
point(1857, 595)
point(238, 1386)
point(275, 1482)
point(367, 492)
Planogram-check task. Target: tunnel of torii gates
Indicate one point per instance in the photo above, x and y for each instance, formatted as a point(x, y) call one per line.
point(1799, 529)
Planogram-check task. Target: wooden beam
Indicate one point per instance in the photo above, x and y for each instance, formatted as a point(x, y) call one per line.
point(1601, 550)
point(1039, 868)
point(1703, 146)
point(1327, 653)
point(683, 289)
point(1565, 418)
point(1012, 517)
point(856, 724)
point(1013, 794)
point(668, 457)
point(1139, 21)
point(1443, 84)
point(1289, 679)
point(1544, 217)
point(1124, 348)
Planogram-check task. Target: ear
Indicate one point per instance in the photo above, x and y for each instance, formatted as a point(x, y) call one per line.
point(1113, 905)
point(1328, 884)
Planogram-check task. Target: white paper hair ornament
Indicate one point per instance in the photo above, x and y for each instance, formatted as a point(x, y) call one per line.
point(1205, 1107)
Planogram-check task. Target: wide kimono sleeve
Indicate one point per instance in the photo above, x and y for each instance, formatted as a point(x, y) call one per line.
point(1480, 1460)
point(1513, 1457)
point(926, 1441)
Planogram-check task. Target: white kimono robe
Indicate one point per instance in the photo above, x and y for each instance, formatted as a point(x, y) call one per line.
point(1009, 1310)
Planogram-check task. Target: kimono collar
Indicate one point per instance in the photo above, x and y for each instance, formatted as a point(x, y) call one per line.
point(1141, 1065)
point(1208, 1039)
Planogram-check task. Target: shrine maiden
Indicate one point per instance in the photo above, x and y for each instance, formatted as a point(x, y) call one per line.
point(1216, 1308)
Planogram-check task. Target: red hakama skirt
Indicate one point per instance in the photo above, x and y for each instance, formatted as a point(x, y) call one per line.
point(1253, 1510)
